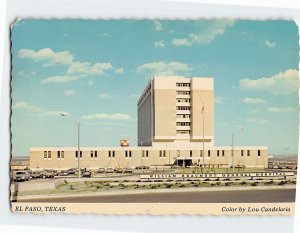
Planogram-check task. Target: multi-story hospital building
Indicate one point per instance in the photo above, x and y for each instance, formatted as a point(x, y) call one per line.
point(175, 126)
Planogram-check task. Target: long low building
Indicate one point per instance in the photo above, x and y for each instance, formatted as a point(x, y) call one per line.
point(123, 157)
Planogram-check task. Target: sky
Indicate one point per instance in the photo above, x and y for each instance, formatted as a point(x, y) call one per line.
point(95, 70)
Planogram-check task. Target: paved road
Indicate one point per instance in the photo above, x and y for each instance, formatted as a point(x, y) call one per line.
point(249, 196)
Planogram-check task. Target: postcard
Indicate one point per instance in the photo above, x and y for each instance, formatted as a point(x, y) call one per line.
point(154, 116)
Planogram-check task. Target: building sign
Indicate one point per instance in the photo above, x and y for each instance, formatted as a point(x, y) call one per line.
point(199, 176)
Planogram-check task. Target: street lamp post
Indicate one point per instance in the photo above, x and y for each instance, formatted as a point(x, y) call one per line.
point(78, 140)
point(285, 150)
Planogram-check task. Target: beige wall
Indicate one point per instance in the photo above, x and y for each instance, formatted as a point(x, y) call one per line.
point(37, 160)
point(164, 114)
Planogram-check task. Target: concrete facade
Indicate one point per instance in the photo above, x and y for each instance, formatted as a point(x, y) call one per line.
point(171, 111)
point(117, 157)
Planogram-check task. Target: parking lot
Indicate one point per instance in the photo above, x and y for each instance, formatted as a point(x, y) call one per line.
point(117, 173)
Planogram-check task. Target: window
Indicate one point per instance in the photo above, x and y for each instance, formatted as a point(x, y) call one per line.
point(58, 154)
point(92, 154)
point(96, 155)
point(113, 153)
point(62, 154)
point(183, 84)
point(164, 153)
point(248, 152)
point(160, 153)
point(223, 153)
point(126, 153)
point(208, 153)
point(147, 153)
point(258, 153)
point(182, 131)
point(49, 154)
point(191, 153)
point(76, 154)
point(183, 108)
point(109, 153)
point(182, 92)
point(183, 123)
point(218, 153)
point(45, 154)
point(242, 153)
point(143, 153)
point(130, 154)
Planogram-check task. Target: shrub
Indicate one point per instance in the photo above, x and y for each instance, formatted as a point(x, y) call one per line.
point(243, 182)
point(254, 184)
point(282, 182)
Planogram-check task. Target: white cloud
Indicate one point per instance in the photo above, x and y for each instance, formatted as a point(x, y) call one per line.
point(59, 79)
point(219, 100)
point(98, 116)
point(270, 44)
point(119, 71)
point(207, 32)
point(282, 83)
point(69, 92)
point(158, 26)
point(104, 96)
point(159, 44)
point(26, 75)
point(89, 68)
point(47, 55)
point(164, 68)
point(181, 42)
point(26, 106)
point(253, 101)
point(276, 109)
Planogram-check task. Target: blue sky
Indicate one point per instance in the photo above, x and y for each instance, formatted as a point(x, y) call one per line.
point(95, 70)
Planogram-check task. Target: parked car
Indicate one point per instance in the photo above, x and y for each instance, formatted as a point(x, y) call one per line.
point(101, 170)
point(109, 170)
point(118, 170)
point(21, 175)
point(63, 173)
point(36, 174)
point(71, 171)
point(127, 170)
point(86, 173)
point(47, 174)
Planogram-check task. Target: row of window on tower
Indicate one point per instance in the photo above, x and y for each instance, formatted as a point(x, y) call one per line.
point(183, 84)
point(183, 108)
point(183, 92)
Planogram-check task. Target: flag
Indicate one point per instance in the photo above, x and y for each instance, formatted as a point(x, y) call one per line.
point(202, 110)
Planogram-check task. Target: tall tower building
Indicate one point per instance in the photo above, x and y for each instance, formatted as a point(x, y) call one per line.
point(176, 111)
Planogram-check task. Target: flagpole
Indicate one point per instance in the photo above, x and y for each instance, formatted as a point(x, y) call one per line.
point(203, 135)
